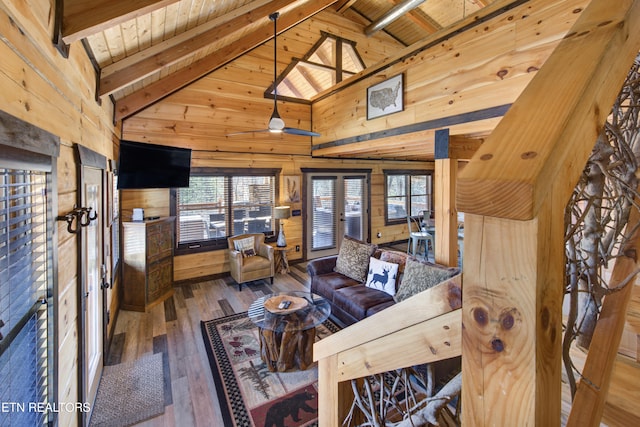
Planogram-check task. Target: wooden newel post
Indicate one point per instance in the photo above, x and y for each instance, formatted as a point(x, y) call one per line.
point(513, 194)
point(511, 340)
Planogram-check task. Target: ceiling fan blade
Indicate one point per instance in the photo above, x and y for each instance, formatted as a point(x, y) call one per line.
point(276, 124)
point(295, 131)
point(247, 132)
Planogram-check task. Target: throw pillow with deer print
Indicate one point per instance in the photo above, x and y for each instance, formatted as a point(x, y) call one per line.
point(382, 276)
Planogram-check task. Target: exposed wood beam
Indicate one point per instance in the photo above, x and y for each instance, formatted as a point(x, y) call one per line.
point(143, 64)
point(456, 147)
point(343, 5)
point(424, 21)
point(163, 87)
point(430, 125)
point(82, 18)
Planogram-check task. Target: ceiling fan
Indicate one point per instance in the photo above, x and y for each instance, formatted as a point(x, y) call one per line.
point(276, 124)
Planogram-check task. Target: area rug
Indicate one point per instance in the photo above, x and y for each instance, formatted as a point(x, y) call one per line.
point(129, 393)
point(250, 395)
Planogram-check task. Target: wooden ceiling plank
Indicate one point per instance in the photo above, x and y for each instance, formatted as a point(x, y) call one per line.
point(142, 65)
point(82, 18)
point(343, 5)
point(142, 98)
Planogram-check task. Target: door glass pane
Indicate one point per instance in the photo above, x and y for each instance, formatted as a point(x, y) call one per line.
point(353, 203)
point(323, 234)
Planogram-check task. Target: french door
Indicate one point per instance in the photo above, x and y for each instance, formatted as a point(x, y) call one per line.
point(337, 206)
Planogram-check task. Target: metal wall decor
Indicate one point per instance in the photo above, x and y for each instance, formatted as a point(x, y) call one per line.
point(82, 215)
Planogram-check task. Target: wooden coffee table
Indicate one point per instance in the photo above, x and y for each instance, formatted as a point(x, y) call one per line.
point(287, 337)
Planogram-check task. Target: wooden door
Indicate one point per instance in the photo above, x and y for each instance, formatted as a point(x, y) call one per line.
point(92, 294)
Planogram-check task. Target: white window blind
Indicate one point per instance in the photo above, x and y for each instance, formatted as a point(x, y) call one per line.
point(25, 344)
point(324, 212)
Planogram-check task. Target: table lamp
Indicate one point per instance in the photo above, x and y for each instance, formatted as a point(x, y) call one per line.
point(282, 212)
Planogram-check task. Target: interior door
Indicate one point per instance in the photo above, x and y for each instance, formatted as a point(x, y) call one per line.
point(337, 206)
point(92, 294)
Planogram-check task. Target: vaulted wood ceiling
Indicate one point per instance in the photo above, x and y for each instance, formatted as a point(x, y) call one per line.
point(147, 49)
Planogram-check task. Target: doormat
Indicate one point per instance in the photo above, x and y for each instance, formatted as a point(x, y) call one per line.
point(249, 394)
point(129, 393)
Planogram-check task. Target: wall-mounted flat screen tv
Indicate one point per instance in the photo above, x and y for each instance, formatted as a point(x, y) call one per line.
point(153, 166)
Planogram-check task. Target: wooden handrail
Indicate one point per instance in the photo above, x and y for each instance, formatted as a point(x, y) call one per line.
point(422, 329)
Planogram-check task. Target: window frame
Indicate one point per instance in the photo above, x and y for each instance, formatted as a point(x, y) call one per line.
point(36, 150)
point(220, 243)
point(408, 194)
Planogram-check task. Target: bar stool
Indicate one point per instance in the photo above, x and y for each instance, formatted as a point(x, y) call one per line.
point(417, 237)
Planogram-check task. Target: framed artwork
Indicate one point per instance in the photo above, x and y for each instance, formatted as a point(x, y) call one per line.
point(386, 97)
point(291, 191)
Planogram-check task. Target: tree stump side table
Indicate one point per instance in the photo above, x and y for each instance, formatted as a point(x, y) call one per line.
point(286, 339)
point(280, 258)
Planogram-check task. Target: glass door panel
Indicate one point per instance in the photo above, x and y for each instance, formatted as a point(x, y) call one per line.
point(337, 208)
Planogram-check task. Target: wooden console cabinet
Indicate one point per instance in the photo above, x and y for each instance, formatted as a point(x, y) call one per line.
point(148, 262)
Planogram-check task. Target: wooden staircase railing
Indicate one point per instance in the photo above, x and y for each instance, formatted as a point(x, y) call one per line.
point(424, 328)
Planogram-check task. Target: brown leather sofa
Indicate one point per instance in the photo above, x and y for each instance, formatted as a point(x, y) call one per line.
point(350, 299)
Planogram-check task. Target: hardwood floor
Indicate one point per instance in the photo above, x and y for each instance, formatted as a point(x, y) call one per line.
point(174, 329)
point(190, 398)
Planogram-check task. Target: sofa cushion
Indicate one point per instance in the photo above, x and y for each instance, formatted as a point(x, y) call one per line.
point(328, 283)
point(382, 276)
point(359, 300)
point(420, 276)
point(353, 259)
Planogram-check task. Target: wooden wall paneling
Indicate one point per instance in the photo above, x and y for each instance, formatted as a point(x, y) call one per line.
point(155, 202)
point(434, 91)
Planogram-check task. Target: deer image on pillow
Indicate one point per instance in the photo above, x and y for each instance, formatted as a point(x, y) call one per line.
point(382, 276)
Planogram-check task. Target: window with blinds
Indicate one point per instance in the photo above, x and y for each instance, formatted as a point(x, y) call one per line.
point(26, 316)
point(407, 193)
point(216, 206)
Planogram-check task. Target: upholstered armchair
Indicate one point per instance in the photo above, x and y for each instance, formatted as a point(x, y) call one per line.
point(250, 258)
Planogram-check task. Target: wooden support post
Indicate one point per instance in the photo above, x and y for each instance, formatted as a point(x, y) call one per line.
point(513, 194)
point(334, 398)
point(512, 317)
point(446, 216)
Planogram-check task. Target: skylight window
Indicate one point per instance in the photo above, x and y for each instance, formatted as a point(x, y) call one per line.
point(329, 61)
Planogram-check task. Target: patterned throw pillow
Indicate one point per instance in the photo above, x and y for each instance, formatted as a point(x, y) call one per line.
point(353, 259)
point(246, 253)
point(419, 277)
point(395, 257)
point(242, 244)
point(382, 276)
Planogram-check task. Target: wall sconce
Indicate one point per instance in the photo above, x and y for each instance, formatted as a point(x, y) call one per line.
point(82, 216)
point(282, 212)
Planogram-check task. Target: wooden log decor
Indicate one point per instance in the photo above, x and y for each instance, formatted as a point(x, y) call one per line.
point(288, 350)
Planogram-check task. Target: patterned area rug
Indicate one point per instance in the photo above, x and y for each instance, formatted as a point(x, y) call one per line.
point(130, 392)
point(249, 394)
